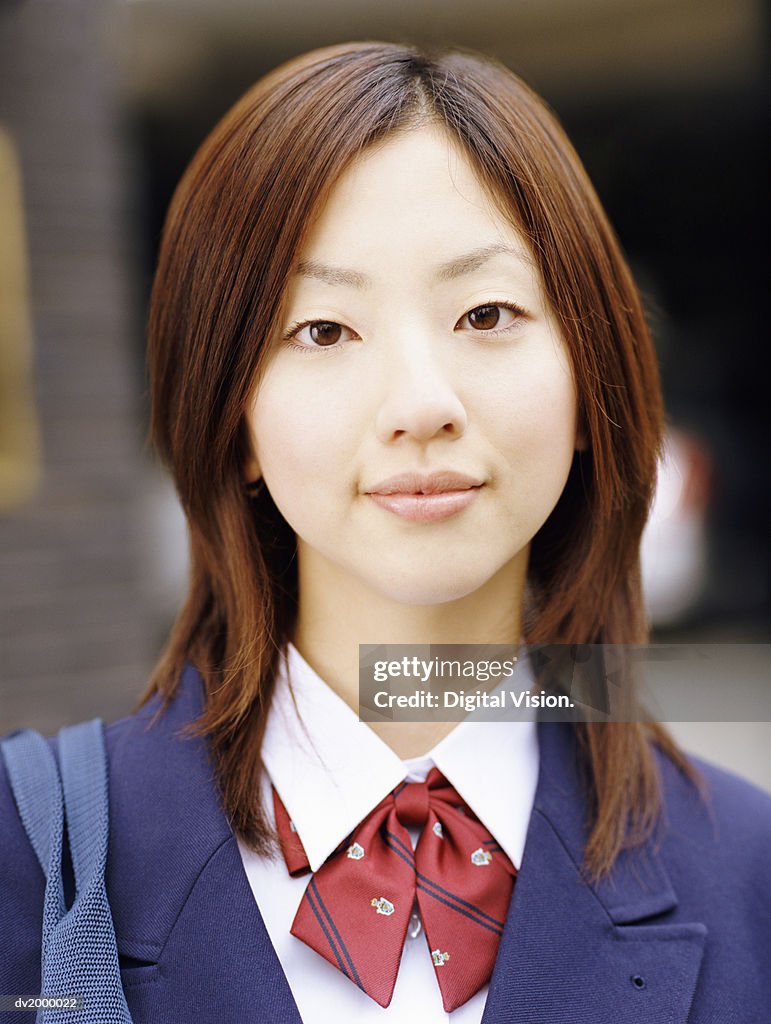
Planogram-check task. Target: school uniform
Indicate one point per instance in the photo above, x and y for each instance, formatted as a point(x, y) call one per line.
point(680, 932)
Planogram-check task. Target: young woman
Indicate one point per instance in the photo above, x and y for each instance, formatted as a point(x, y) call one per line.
point(403, 381)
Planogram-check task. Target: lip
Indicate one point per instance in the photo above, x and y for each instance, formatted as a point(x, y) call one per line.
point(426, 498)
point(426, 507)
point(425, 483)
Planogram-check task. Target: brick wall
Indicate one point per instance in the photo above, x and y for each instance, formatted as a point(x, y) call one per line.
point(77, 630)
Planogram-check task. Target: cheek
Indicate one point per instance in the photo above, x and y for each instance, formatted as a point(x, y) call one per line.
point(551, 419)
point(295, 433)
point(538, 448)
point(539, 413)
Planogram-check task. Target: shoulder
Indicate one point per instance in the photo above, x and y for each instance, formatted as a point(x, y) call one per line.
point(22, 881)
point(730, 814)
point(166, 821)
point(714, 848)
point(142, 757)
point(716, 845)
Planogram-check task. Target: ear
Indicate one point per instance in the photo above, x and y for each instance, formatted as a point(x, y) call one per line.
point(252, 471)
point(250, 466)
point(582, 433)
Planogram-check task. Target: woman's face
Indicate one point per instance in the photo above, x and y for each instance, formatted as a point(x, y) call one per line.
point(427, 348)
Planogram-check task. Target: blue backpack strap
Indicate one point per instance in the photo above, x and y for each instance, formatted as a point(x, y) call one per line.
point(37, 791)
point(83, 769)
point(80, 954)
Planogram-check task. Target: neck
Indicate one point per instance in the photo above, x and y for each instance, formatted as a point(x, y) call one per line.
point(328, 633)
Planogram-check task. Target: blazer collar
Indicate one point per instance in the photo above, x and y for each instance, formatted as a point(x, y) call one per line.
point(605, 952)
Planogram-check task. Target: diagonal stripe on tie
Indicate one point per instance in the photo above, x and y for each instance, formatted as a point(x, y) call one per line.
point(426, 883)
point(315, 895)
point(460, 910)
point(398, 847)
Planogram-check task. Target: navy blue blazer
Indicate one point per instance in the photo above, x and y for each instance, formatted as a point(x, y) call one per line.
point(681, 931)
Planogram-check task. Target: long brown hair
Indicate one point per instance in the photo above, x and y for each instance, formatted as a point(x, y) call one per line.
point(232, 234)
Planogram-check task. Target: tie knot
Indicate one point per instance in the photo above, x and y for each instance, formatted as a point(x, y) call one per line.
point(411, 801)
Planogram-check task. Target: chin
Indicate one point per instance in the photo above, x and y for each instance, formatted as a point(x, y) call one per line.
point(432, 588)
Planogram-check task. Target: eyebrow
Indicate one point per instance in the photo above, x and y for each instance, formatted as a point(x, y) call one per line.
point(474, 259)
point(456, 267)
point(333, 275)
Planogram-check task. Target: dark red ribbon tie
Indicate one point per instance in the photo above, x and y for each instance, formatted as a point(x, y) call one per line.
point(357, 906)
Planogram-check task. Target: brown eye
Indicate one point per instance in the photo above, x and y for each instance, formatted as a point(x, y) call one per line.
point(324, 332)
point(318, 334)
point(484, 318)
point(493, 317)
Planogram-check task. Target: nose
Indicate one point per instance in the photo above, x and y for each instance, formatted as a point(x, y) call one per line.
point(420, 401)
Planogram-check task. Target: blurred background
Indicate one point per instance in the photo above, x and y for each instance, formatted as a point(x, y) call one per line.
point(103, 103)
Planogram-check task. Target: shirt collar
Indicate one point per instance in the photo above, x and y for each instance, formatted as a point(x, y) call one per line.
point(330, 769)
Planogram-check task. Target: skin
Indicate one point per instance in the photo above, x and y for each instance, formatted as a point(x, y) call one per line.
point(409, 383)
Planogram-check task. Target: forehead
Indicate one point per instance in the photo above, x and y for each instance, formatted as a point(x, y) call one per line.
point(414, 194)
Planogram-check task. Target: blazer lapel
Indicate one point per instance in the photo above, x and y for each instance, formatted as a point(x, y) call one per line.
point(191, 940)
point(575, 952)
point(219, 963)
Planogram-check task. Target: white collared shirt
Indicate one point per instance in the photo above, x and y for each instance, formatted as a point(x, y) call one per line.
point(330, 771)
